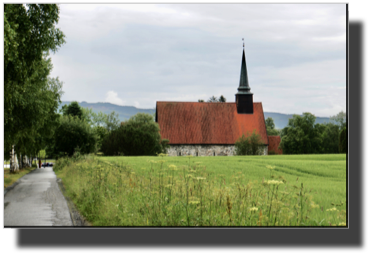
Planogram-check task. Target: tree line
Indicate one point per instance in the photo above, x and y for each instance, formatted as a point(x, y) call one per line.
point(300, 136)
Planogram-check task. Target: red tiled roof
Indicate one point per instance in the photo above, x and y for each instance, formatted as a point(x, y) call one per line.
point(207, 123)
point(274, 143)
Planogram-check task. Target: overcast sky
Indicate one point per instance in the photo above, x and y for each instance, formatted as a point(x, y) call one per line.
point(132, 54)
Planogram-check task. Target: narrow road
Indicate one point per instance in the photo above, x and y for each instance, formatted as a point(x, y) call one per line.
point(36, 201)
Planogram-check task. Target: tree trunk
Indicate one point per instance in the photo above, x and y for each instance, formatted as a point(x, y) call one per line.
point(13, 166)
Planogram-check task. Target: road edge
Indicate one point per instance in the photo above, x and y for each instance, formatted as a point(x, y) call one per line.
point(7, 189)
point(77, 219)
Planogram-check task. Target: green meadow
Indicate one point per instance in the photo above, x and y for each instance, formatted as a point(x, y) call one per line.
point(277, 190)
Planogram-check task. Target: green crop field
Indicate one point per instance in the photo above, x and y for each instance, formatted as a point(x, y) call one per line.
point(278, 190)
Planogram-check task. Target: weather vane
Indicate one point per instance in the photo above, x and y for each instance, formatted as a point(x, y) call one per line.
point(243, 42)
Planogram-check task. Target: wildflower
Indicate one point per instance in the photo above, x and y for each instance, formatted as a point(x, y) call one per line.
point(161, 161)
point(168, 186)
point(332, 209)
point(189, 176)
point(274, 182)
point(152, 161)
point(201, 178)
point(254, 209)
point(162, 155)
point(192, 171)
point(194, 202)
point(270, 167)
point(342, 224)
point(173, 167)
point(313, 205)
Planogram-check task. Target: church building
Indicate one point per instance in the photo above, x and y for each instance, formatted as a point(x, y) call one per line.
point(212, 128)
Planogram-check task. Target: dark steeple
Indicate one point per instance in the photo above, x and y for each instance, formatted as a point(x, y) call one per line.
point(244, 85)
point(244, 97)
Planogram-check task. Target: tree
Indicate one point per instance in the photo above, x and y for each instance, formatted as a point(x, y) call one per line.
point(71, 134)
point(271, 131)
point(249, 144)
point(269, 123)
point(138, 136)
point(343, 141)
point(329, 138)
point(29, 35)
point(340, 118)
point(73, 109)
point(300, 136)
point(201, 100)
point(213, 99)
point(222, 99)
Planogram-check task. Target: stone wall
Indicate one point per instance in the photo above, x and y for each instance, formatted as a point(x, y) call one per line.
point(205, 150)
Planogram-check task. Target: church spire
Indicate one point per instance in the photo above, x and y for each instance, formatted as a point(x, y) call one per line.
point(244, 97)
point(244, 85)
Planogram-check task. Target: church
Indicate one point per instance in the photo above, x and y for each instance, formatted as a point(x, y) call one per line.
point(212, 128)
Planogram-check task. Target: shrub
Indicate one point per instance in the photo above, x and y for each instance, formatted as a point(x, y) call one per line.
point(250, 144)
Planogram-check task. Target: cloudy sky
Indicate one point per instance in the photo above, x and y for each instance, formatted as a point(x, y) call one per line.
point(137, 54)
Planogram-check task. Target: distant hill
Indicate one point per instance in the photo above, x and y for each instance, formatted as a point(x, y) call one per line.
point(125, 112)
point(281, 120)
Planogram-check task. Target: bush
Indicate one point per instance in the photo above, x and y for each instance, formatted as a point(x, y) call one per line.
point(251, 144)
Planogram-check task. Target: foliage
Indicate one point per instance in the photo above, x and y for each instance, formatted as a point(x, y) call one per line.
point(343, 141)
point(308, 190)
point(29, 35)
point(340, 118)
point(269, 123)
point(73, 133)
point(249, 144)
point(201, 100)
point(138, 136)
point(300, 136)
point(45, 120)
point(213, 99)
point(112, 121)
point(330, 138)
point(101, 133)
point(73, 109)
point(270, 126)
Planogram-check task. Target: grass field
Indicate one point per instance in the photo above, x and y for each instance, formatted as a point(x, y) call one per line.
point(303, 190)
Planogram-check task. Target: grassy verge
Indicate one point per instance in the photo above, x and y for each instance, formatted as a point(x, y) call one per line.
point(10, 178)
point(307, 190)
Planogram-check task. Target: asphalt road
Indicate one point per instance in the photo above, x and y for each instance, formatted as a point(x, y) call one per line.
point(36, 201)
